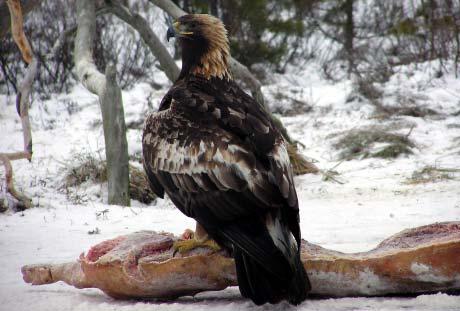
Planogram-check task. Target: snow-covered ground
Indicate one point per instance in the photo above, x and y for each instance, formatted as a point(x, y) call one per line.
point(373, 200)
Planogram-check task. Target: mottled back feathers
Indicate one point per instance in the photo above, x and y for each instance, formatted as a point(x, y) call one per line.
point(221, 160)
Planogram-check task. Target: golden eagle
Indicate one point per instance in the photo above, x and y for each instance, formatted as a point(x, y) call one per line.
point(221, 160)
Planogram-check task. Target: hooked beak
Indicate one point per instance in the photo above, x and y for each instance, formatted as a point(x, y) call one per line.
point(177, 30)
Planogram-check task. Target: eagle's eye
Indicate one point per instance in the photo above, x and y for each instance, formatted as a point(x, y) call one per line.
point(193, 24)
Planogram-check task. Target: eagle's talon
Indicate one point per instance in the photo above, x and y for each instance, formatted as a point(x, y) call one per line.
point(185, 246)
point(188, 234)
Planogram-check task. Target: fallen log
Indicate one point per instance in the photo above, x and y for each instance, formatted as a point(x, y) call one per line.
point(143, 265)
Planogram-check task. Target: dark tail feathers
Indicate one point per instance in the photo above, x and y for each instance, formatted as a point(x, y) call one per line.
point(267, 261)
point(262, 286)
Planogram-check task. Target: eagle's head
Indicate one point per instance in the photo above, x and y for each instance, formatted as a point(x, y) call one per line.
point(205, 49)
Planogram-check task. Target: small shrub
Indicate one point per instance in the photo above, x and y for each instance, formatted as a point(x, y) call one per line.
point(430, 174)
point(361, 143)
point(392, 151)
point(91, 169)
point(88, 168)
point(289, 106)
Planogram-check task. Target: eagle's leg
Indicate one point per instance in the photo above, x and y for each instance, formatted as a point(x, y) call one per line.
point(191, 240)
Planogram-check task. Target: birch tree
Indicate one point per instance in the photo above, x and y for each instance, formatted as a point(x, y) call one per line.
point(110, 100)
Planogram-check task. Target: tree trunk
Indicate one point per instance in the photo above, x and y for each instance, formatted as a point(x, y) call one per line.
point(19, 201)
point(116, 146)
point(349, 31)
point(213, 7)
point(5, 19)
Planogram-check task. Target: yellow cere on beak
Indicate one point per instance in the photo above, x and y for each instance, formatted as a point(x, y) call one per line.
point(180, 30)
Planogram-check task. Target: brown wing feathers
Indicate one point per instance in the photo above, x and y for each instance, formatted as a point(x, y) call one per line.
point(222, 162)
point(226, 136)
point(220, 159)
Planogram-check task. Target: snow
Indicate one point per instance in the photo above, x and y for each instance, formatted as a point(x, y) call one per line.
point(372, 202)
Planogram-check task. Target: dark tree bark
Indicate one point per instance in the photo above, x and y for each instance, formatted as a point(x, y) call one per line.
point(213, 7)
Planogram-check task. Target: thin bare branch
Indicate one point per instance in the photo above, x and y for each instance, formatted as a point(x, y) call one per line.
point(22, 105)
point(150, 38)
point(23, 202)
point(170, 7)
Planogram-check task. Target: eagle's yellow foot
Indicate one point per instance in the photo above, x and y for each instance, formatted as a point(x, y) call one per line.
point(185, 246)
point(194, 239)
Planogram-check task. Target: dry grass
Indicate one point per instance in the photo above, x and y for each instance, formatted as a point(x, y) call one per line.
point(295, 107)
point(87, 168)
point(91, 169)
point(407, 103)
point(411, 111)
point(360, 143)
point(139, 187)
point(431, 174)
point(300, 164)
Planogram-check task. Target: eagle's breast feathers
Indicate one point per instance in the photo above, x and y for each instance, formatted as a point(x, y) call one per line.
point(211, 142)
point(218, 155)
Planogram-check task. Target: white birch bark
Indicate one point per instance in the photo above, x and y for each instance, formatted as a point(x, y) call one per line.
point(106, 87)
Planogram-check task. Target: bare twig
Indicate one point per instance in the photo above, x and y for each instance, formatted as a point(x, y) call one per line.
point(150, 38)
point(410, 131)
point(67, 34)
